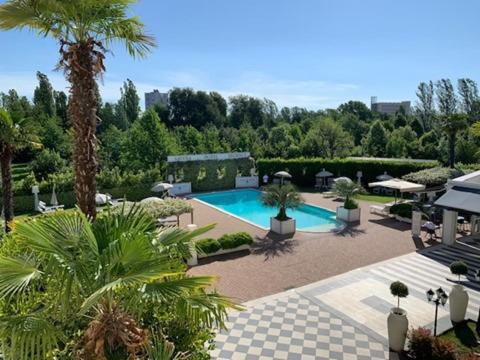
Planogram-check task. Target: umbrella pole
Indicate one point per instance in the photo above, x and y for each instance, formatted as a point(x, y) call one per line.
point(191, 217)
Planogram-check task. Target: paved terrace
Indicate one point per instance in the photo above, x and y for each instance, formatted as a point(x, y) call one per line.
point(278, 264)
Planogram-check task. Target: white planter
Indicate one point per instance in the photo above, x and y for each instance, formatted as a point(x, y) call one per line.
point(282, 227)
point(397, 323)
point(458, 300)
point(348, 215)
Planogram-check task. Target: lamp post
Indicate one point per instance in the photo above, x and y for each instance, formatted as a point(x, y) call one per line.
point(477, 327)
point(440, 298)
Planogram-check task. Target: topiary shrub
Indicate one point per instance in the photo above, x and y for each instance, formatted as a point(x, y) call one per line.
point(402, 210)
point(207, 246)
point(350, 204)
point(443, 349)
point(420, 344)
point(399, 290)
point(231, 241)
point(459, 268)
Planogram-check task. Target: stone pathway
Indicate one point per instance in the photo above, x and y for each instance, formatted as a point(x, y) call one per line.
point(345, 317)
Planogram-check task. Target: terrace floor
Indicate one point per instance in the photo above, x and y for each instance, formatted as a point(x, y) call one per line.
point(276, 264)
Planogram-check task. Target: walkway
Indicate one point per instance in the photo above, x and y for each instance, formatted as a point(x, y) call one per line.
point(345, 317)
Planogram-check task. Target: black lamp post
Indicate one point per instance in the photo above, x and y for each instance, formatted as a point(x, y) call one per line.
point(440, 298)
point(477, 327)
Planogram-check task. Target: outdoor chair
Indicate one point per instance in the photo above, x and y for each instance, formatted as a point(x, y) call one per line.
point(168, 221)
point(44, 208)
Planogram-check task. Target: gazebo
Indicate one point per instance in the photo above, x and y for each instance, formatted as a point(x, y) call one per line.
point(398, 185)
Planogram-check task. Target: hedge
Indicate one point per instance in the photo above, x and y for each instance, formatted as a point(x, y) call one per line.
point(225, 242)
point(24, 204)
point(303, 170)
point(403, 210)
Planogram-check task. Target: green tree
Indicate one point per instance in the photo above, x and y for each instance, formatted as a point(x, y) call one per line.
point(468, 91)
point(97, 281)
point(376, 141)
point(111, 143)
point(43, 95)
point(61, 108)
point(425, 108)
point(451, 125)
point(14, 135)
point(446, 99)
point(130, 101)
point(83, 28)
point(247, 109)
point(356, 108)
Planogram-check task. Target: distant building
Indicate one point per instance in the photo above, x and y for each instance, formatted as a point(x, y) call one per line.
point(389, 108)
point(155, 97)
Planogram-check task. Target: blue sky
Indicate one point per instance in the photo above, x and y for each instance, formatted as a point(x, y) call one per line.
point(309, 53)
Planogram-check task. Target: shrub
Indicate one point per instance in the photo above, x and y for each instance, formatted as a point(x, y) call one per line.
point(47, 162)
point(443, 349)
point(207, 246)
point(399, 290)
point(350, 204)
point(420, 344)
point(433, 176)
point(459, 268)
point(402, 210)
point(231, 241)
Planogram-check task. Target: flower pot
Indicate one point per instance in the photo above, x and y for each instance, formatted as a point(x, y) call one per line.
point(458, 302)
point(282, 227)
point(348, 215)
point(397, 329)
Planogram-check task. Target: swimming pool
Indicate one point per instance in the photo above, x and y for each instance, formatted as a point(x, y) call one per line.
point(246, 204)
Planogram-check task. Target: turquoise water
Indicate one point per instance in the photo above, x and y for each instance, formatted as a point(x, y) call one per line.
point(247, 205)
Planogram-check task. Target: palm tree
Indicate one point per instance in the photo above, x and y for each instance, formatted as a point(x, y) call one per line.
point(83, 29)
point(282, 197)
point(347, 189)
point(15, 134)
point(108, 279)
point(451, 125)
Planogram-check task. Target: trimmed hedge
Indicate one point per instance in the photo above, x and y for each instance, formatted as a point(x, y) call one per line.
point(303, 170)
point(402, 210)
point(225, 242)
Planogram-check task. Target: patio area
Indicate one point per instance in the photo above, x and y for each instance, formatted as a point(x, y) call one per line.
point(276, 264)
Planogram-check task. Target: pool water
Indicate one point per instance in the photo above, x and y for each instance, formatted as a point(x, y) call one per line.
point(247, 205)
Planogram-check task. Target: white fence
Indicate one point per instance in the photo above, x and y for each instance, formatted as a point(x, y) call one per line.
point(181, 188)
point(246, 181)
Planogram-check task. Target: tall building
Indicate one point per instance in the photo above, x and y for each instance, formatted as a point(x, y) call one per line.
point(155, 97)
point(389, 108)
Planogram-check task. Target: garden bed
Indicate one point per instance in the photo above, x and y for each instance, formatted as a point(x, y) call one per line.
point(464, 336)
point(226, 244)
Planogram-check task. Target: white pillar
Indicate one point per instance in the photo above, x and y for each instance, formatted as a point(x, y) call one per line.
point(416, 223)
point(35, 191)
point(475, 224)
point(449, 232)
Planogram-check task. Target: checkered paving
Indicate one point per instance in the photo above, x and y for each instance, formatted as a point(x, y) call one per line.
point(293, 328)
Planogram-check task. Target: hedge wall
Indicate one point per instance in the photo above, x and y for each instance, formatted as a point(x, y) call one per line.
point(303, 170)
point(23, 204)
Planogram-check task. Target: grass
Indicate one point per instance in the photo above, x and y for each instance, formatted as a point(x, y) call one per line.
point(375, 198)
point(19, 171)
point(464, 336)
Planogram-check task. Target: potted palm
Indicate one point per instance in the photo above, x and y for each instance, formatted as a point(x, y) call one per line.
point(458, 295)
point(397, 321)
point(282, 197)
point(346, 189)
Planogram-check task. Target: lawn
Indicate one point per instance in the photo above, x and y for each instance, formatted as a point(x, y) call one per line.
point(464, 337)
point(375, 198)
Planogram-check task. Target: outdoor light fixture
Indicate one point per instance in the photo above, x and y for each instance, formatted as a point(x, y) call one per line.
point(477, 275)
point(441, 298)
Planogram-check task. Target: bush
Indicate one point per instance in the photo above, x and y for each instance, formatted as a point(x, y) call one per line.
point(459, 268)
point(46, 163)
point(443, 349)
point(399, 290)
point(402, 210)
point(434, 176)
point(350, 204)
point(303, 170)
point(207, 246)
point(420, 344)
point(231, 241)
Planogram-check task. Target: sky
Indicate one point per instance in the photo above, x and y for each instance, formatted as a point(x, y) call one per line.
point(310, 53)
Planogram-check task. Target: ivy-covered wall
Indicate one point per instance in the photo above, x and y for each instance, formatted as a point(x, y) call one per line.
point(206, 175)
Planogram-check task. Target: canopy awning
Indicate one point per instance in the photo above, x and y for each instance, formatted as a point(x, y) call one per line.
point(324, 173)
point(398, 184)
point(283, 174)
point(461, 199)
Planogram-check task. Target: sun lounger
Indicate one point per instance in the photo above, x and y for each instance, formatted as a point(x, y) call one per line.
point(168, 221)
point(380, 210)
point(44, 208)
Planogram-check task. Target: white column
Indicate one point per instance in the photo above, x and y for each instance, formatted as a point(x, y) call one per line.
point(475, 224)
point(449, 232)
point(35, 191)
point(416, 223)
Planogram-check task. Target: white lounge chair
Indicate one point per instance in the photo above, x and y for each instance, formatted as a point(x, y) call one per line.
point(168, 221)
point(44, 208)
point(382, 210)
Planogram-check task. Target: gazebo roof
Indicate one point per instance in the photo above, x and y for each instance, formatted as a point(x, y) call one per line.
point(324, 173)
point(282, 174)
point(398, 184)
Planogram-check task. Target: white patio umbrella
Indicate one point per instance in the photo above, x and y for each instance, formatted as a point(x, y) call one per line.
point(54, 200)
point(384, 177)
point(161, 186)
point(343, 178)
point(102, 199)
point(324, 173)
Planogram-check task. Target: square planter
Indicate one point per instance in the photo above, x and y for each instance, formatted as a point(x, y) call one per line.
point(282, 227)
point(348, 215)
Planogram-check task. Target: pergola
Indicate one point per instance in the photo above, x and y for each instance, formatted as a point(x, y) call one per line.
point(398, 185)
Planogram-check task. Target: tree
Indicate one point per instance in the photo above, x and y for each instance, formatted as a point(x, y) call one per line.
point(61, 108)
point(451, 125)
point(376, 140)
point(468, 91)
point(425, 108)
point(447, 101)
point(14, 135)
point(123, 278)
point(247, 109)
point(130, 101)
point(356, 108)
point(327, 139)
point(83, 29)
point(43, 95)
point(282, 197)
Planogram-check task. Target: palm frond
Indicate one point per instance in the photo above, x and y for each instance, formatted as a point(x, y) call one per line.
point(170, 288)
point(16, 274)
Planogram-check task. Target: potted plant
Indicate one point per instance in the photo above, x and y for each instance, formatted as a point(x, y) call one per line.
point(282, 197)
point(397, 321)
point(345, 189)
point(458, 295)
